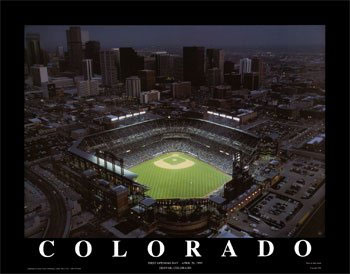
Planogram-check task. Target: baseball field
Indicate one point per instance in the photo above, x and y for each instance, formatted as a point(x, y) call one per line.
point(179, 175)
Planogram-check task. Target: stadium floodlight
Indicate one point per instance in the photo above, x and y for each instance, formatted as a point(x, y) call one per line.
point(236, 119)
point(114, 119)
point(121, 117)
point(136, 113)
point(128, 151)
point(221, 151)
point(229, 117)
point(227, 153)
point(128, 115)
point(216, 114)
point(142, 112)
point(209, 112)
point(222, 115)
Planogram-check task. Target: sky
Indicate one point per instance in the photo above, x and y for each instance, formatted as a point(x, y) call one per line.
point(201, 35)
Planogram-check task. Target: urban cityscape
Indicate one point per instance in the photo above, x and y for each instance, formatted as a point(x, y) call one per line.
point(163, 137)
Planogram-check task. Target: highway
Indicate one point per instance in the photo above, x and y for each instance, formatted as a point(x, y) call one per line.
point(58, 212)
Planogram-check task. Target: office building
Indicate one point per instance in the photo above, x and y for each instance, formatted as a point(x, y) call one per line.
point(148, 79)
point(177, 67)
point(181, 90)
point(92, 51)
point(75, 49)
point(234, 80)
point(39, 75)
point(164, 64)
point(130, 63)
point(222, 92)
point(33, 49)
point(215, 59)
point(245, 66)
point(229, 67)
point(87, 88)
point(133, 86)
point(251, 81)
point(87, 69)
point(60, 52)
point(258, 67)
point(109, 60)
point(150, 63)
point(149, 96)
point(193, 65)
point(214, 77)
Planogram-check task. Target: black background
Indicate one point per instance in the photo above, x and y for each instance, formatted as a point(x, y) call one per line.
point(18, 254)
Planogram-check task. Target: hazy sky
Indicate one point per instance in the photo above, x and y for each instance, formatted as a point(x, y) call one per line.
point(219, 36)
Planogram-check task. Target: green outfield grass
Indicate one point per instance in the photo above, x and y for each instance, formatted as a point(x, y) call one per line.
point(175, 180)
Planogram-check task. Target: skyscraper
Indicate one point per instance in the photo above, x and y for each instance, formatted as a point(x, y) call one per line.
point(60, 52)
point(193, 65)
point(258, 67)
point(178, 67)
point(75, 49)
point(92, 51)
point(229, 67)
point(87, 69)
point(164, 66)
point(133, 86)
point(245, 66)
point(33, 49)
point(130, 63)
point(148, 79)
point(213, 77)
point(215, 58)
point(109, 60)
point(39, 75)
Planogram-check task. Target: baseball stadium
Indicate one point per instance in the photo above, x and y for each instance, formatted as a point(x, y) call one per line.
point(168, 171)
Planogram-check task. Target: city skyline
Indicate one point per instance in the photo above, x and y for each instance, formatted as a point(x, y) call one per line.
point(199, 35)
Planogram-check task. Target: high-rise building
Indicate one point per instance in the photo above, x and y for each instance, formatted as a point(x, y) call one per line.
point(234, 80)
point(109, 60)
point(245, 66)
point(258, 67)
point(133, 86)
point(87, 88)
point(39, 75)
point(214, 76)
point(130, 63)
point(150, 63)
point(149, 96)
point(193, 65)
point(178, 67)
point(222, 92)
point(92, 51)
point(33, 49)
point(87, 69)
point(60, 52)
point(251, 81)
point(148, 79)
point(85, 37)
point(164, 64)
point(75, 48)
point(215, 58)
point(229, 67)
point(181, 90)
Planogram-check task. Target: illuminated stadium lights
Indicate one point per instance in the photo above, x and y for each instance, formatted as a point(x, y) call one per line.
point(221, 151)
point(236, 119)
point(136, 114)
point(114, 119)
point(227, 153)
point(121, 117)
point(128, 151)
point(128, 115)
point(142, 112)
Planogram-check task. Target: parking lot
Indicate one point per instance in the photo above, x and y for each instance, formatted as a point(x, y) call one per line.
point(275, 209)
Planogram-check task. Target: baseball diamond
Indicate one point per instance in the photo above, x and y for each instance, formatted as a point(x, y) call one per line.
point(179, 175)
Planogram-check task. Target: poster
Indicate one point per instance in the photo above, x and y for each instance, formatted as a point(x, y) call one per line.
point(168, 137)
